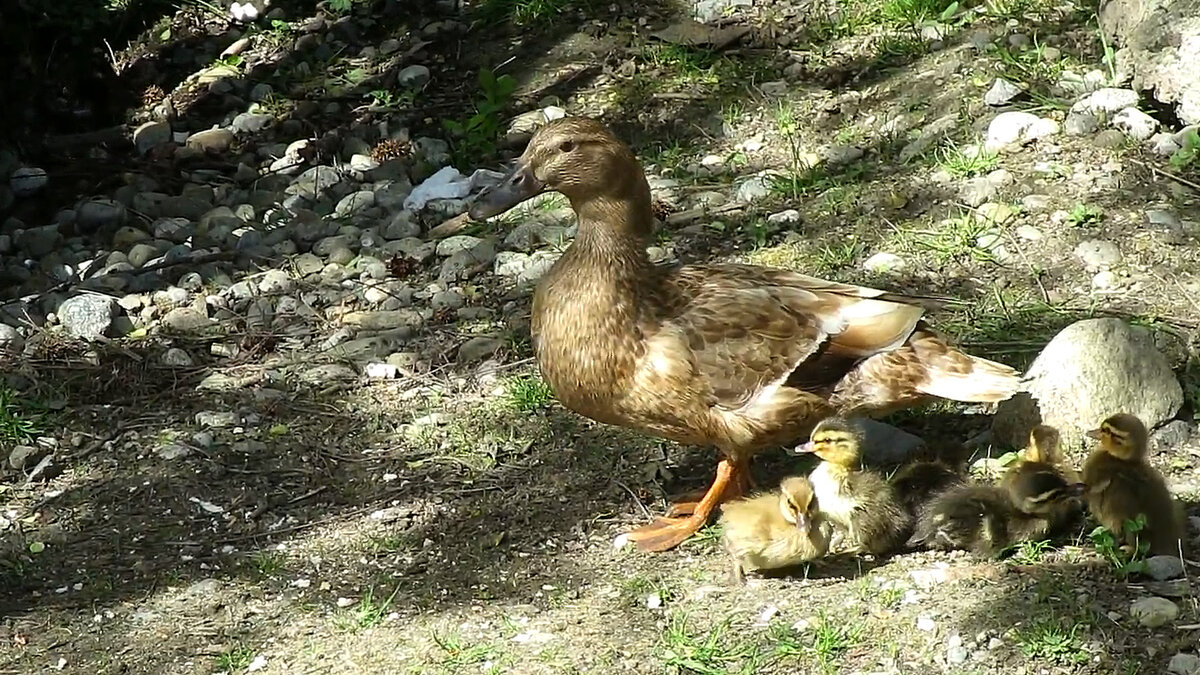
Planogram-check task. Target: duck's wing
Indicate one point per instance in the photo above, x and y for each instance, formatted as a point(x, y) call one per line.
point(750, 328)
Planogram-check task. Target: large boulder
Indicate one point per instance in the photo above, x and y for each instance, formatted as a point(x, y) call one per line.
point(1090, 370)
point(1159, 44)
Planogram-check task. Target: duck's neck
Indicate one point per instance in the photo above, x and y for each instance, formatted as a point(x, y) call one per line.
point(614, 232)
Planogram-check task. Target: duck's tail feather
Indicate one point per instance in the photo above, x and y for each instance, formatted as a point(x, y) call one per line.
point(924, 366)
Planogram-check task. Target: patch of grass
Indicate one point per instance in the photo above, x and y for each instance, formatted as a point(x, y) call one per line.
point(368, 612)
point(1125, 559)
point(475, 136)
point(637, 588)
point(952, 239)
point(915, 12)
point(825, 640)
point(528, 393)
point(458, 654)
point(1030, 552)
point(839, 255)
point(235, 660)
point(1084, 214)
point(525, 12)
point(1052, 639)
point(266, 564)
point(714, 651)
point(20, 419)
point(966, 161)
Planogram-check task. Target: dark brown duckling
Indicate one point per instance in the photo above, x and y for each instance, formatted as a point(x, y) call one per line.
point(1037, 474)
point(917, 483)
point(863, 507)
point(988, 519)
point(774, 529)
point(1121, 485)
point(739, 357)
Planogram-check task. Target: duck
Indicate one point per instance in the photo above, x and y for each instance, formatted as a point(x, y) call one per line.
point(1038, 472)
point(737, 357)
point(990, 519)
point(773, 530)
point(1121, 485)
point(863, 507)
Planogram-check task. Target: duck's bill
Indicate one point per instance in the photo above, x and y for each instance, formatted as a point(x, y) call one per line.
point(804, 448)
point(520, 184)
point(1094, 433)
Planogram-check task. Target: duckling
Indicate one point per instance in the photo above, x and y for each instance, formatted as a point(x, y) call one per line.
point(1039, 475)
point(988, 519)
point(1121, 484)
point(774, 529)
point(918, 483)
point(858, 501)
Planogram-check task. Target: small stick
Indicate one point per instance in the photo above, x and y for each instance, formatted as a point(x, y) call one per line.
point(449, 227)
point(1178, 179)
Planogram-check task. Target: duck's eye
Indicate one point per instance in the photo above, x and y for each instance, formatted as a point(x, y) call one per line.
point(567, 146)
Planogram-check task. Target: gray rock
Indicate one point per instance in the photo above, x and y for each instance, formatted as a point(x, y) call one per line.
point(40, 241)
point(6, 245)
point(1081, 123)
point(459, 242)
point(838, 155)
point(1171, 435)
point(1109, 138)
point(1153, 612)
point(1107, 101)
point(755, 189)
point(10, 339)
point(1090, 370)
point(1098, 253)
point(96, 214)
point(177, 358)
point(414, 76)
point(1164, 144)
point(466, 262)
point(450, 299)
point(1136, 124)
point(251, 123)
point(977, 190)
point(87, 316)
point(215, 141)
point(1160, 48)
point(354, 203)
point(477, 349)
point(383, 319)
point(186, 320)
point(23, 456)
point(328, 245)
point(313, 182)
point(151, 135)
point(174, 230)
point(307, 264)
point(275, 282)
point(401, 226)
point(1164, 567)
point(1184, 664)
point(328, 373)
point(1002, 92)
point(27, 180)
point(141, 254)
point(523, 267)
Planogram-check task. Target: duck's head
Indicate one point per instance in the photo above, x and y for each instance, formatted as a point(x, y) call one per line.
point(795, 500)
point(836, 440)
point(1043, 444)
point(577, 156)
point(1123, 436)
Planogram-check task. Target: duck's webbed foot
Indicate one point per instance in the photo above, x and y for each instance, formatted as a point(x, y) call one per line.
point(686, 517)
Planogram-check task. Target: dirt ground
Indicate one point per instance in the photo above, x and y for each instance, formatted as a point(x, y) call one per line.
point(458, 520)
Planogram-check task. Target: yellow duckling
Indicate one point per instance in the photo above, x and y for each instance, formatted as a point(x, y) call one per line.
point(775, 529)
point(1121, 485)
point(861, 504)
point(1039, 473)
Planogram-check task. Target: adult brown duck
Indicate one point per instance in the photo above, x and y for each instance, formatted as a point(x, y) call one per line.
point(735, 356)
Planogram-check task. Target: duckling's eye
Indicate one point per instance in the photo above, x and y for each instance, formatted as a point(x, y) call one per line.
point(567, 146)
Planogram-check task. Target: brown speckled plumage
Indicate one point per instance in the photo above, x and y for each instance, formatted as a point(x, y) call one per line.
point(735, 356)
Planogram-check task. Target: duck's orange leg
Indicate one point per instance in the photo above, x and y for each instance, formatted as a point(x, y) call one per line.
point(741, 484)
point(667, 533)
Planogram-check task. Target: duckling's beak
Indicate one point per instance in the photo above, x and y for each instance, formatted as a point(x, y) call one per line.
point(801, 521)
point(1094, 433)
point(520, 184)
point(804, 448)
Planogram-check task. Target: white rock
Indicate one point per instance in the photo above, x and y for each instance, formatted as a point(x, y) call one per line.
point(1135, 124)
point(1184, 664)
point(1083, 375)
point(1016, 128)
point(1107, 100)
point(1098, 253)
point(884, 262)
point(1002, 92)
point(787, 217)
point(151, 135)
point(1104, 281)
